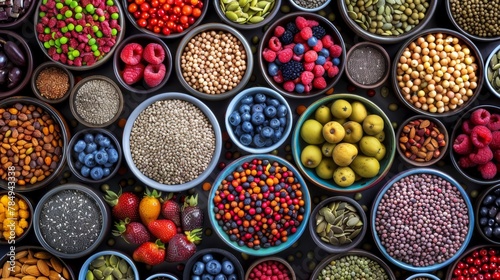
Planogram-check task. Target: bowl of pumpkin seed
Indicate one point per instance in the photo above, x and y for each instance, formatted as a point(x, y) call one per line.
point(247, 14)
point(338, 224)
point(492, 77)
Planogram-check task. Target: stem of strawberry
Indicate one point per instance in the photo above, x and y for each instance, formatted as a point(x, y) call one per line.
point(153, 193)
point(111, 197)
point(159, 244)
point(194, 236)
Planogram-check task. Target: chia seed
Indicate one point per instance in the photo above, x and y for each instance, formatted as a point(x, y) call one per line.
point(97, 101)
point(309, 4)
point(366, 65)
point(70, 221)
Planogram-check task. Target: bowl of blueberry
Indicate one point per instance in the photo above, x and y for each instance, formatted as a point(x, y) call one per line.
point(258, 120)
point(94, 155)
point(213, 263)
point(488, 215)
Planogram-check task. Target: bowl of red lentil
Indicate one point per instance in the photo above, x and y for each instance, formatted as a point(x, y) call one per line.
point(441, 223)
point(438, 72)
point(481, 260)
point(214, 61)
point(44, 139)
point(270, 267)
point(250, 187)
point(52, 83)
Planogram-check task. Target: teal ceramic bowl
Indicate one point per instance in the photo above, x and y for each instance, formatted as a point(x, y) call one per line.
point(298, 144)
point(424, 276)
point(85, 267)
point(219, 225)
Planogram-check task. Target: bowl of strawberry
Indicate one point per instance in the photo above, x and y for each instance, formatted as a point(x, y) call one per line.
point(475, 145)
point(213, 263)
point(302, 55)
point(142, 63)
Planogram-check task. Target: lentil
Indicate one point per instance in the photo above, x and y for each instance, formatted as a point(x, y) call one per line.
point(97, 101)
point(366, 65)
point(309, 4)
point(479, 18)
point(70, 221)
point(181, 133)
point(52, 83)
point(353, 267)
point(421, 140)
point(437, 73)
point(422, 220)
point(213, 62)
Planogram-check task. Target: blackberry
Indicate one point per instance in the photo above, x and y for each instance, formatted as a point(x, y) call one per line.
point(286, 38)
point(292, 28)
point(318, 32)
point(291, 70)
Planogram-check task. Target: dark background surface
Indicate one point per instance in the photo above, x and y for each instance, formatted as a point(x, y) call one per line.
point(304, 254)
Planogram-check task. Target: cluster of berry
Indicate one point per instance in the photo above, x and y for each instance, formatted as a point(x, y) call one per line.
point(96, 156)
point(134, 54)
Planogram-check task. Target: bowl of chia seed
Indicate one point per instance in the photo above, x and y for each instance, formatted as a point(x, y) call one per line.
point(368, 65)
point(310, 6)
point(363, 264)
point(71, 221)
point(422, 220)
point(178, 131)
point(120, 265)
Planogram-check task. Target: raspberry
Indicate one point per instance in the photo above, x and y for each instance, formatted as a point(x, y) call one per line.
point(310, 56)
point(289, 46)
point(274, 44)
point(480, 117)
point(328, 65)
point(297, 57)
point(279, 30)
point(133, 73)
point(154, 53)
point(481, 155)
point(318, 71)
point(495, 140)
point(301, 22)
point(309, 66)
point(312, 23)
point(327, 41)
point(306, 33)
point(278, 77)
point(285, 55)
point(131, 54)
point(269, 55)
point(481, 136)
point(333, 71)
point(319, 83)
point(496, 156)
point(467, 126)
point(306, 77)
point(335, 51)
point(462, 145)
point(318, 47)
point(307, 88)
point(494, 123)
point(465, 162)
point(297, 38)
point(289, 86)
point(488, 170)
point(154, 74)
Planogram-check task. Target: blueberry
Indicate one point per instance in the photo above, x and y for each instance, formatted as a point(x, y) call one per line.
point(276, 136)
point(234, 118)
point(246, 126)
point(489, 199)
point(282, 121)
point(491, 222)
point(105, 142)
point(258, 118)
point(270, 111)
point(101, 157)
point(282, 110)
point(89, 160)
point(273, 102)
point(324, 52)
point(336, 61)
point(195, 277)
point(496, 232)
point(259, 141)
point(268, 142)
point(274, 123)
point(246, 117)
point(267, 132)
point(259, 98)
point(258, 129)
point(257, 108)
point(79, 146)
point(112, 155)
point(207, 257)
point(81, 157)
point(98, 137)
point(106, 171)
point(245, 108)
point(488, 231)
point(247, 100)
point(483, 211)
point(273, 69)
point(220, 277)
point(88, 138)
point(299, 49)
point(320, 60)
point(91, 147)
point(96, 173)
point(299, 88)
point(232, 277)
point(213, 267)
point(108, 164)
point(483, 221)
point(78, 165)
point(85, 171)
point(311, 42)
point(198, 268)
point(238, 131)
point(246, 139)
point(207, 277)
point(497, 202)
point(227, 267)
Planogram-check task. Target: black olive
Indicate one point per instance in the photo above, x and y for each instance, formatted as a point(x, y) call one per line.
point(491, 222)
point(15, 75)
point(3, 76)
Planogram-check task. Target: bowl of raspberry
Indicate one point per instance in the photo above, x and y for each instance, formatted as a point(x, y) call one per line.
point(475, 145)
point(143, 63)
point(268, 267)
point(302, 55)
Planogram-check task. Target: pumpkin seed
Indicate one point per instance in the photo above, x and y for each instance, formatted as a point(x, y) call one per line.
point(352, 15)
point(321, 227)
point(338, 223)
point(232, 16)
point(353, 221)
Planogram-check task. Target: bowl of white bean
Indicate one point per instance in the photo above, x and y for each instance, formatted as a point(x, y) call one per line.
point(177, 130)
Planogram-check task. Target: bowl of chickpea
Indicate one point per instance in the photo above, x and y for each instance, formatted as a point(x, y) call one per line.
point(16, 212)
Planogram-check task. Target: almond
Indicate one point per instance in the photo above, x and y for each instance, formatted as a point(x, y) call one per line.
point(21, 254)
point(5, 270)
point(28, 277)
point(43, 267)
point(31, 261)
point(42, 278)
point(54, 275)
point(425, 123)
point(33, 270)
point(43, 255)
point(56, 264)
point(65, 274)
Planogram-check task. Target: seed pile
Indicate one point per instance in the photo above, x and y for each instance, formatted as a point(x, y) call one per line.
point(246, 11)
point(309, 4)
point(493, 71)
point(421, 140)
point(422, 220)
point(479, 18)
point(109, 267)
point(97, 101)
point(70, 221)
point(353, 267)
point(338, 223)
point(213, 62)
point(366, 65)
point(180, 134)
point(52, 83)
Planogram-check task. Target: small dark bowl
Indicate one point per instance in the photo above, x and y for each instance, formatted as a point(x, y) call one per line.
point(162, 276)
point(17, 239)
point(141, 87)
point(424, 276)
point(286, 265)
point(330, 29)
point(421, 162)
point(326, 246)
point(72, 157)
point(479, 201)
point(453, 266)
point(218, 254)
point(92, 194)
point(23, 19)
point(27, 70)
point(385, 58)
point(488, 69)
point(472, 174)
point(36, 91)
point(245, 25)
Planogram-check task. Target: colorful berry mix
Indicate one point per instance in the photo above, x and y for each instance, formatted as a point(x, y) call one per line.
point(260, 204)
point(489, 216)
point(482, 263)
point(143, 64)
point(268, 270)
point(301, 56)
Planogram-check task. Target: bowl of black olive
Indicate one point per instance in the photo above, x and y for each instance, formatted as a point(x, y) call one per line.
point(16, 63)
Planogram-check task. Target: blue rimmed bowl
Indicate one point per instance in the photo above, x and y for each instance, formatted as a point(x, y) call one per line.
point(423, 275)
point(85, 267)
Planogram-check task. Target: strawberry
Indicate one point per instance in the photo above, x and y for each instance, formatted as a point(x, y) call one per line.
point(150, 206)
point(182, 246)
point(163, 229)
point(191, 214)
point(132, 232)
point(151, 253)
point(125, 205)
point(171, 210)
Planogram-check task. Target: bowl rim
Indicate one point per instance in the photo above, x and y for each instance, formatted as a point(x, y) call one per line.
point(428, 275)
point(267, 19)
point(287, 18)
point(462, 255)
point(117, 62)
point(101, 204)
point(236, 101)
point(159, 275)
point(263, 251)
point(128, 128)
point(386, 39)
point(104, 59)
point(30, 219)
point(43, 66)
point(211, 27)
point(300, 8)
point(474, 50)
point(204, 11)
point(477, 206)
point(378, 48)
point(77, 87)
point(238, 267)
point(455, 133)
point(388, 185)
point(65, 135)
point(83, 269)
point(78, 136)
point(270, 258)
point(444, 149)
point(19, 21)
point(486, 66)
point(332, 249)
point(389, 134)
point(29, 64)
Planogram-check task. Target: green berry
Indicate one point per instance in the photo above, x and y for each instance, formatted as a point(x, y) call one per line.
point(63, 40)
point(59, 6)
point(90, 8)
point(52, 42)
point(64, 29)
point(73, 4)
point(44, 2)
point(59, 16)
point(97, 53)
point(59, 50)
point(78, 28)
point(68, 2)
point(95, 28)
point(78, 15)
point(92, 41)
point(41, 14)
point(46, 45)
point(99, 34)
point(94, 48)
point(102, 18)
point(110, 3)
point(115, 15)
point(114, 31)
point(68, 13)
point(71, 27)
point(75, 53)
point(46, 30)
point(70, 56)
point(78, 9)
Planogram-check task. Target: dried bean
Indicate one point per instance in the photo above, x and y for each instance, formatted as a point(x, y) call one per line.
point(419, 140)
